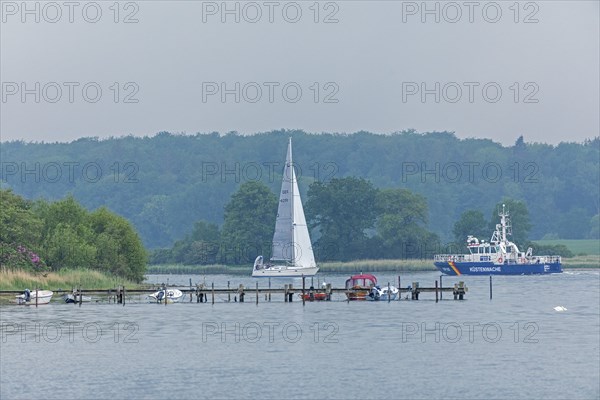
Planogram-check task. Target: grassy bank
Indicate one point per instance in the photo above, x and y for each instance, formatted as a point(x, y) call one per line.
point(577, 246)
point(86, 279)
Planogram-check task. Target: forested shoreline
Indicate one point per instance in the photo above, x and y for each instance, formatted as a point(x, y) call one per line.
point(166, 184)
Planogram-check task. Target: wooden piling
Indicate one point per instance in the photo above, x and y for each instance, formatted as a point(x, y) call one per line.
point(389, 293)
point(256, 292)
point(228, 294)
point(285, 293)
point(436, 291)
point(490, 287)
point(399, 289)
point(36, 296)
point(303, 289)
point(441, 290)
point(290, 293)
point(212, 294)
point(241, 292)
point(269, 289)
point(124, 294)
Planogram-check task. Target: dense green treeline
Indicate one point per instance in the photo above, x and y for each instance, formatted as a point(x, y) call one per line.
point(40, 236)
point(166, 183)
point(351, 220)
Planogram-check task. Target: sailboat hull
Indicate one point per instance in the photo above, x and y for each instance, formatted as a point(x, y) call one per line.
point(283, 272)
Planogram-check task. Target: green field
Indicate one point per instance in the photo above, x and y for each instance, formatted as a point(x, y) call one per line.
point(577, 246)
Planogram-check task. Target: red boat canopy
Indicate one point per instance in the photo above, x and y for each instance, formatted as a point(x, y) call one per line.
point(363, 280)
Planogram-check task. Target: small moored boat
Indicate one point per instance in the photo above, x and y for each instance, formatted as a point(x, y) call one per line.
point(358, 287)
point(76, 298)
point(313, 296)
point(170, 295)
point(383, 294)
point(32, 297)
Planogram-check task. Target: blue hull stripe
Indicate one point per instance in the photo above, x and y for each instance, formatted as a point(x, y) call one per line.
point(489, 268)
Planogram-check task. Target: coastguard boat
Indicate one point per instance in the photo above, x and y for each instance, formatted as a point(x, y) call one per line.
point(499, 256)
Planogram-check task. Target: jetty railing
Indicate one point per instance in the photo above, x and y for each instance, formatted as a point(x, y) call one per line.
point(201, 292)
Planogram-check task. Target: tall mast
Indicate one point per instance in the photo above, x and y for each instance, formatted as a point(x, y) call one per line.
point(503, 223)
point(293, 176)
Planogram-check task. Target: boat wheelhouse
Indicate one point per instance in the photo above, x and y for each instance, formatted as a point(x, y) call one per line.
point(359, 286)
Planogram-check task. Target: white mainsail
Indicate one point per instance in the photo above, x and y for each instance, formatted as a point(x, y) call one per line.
point(282, 238)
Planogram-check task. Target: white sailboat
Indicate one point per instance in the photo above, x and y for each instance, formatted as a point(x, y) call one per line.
point(292, 250)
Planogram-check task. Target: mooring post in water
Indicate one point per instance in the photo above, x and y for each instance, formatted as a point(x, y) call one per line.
point(441, 291)
point(212, 294)
point(389, 293)
point(80, 297)
point(228, 292)
point(257, 292)
point(436, 291)
point(415, 291)
point(36, 296)
point(285, 291)
point(291, 293)
point(124, 294)
point(191, 289)
point(303, 288)
point(269, 289)
point(490, 287)
point(242, 294)
point(399, 289)
point(328, 291)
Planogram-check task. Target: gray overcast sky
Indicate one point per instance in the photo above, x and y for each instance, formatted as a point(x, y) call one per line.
point(499, 71)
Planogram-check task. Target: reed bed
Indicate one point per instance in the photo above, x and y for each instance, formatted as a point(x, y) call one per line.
point(378, 266)
point(590, 261)
point(67, 279)
point(331, 267)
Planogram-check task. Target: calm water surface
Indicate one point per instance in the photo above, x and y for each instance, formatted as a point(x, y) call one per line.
point(515, 346)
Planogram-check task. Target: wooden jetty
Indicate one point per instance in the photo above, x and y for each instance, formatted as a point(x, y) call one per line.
point(201, 292)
